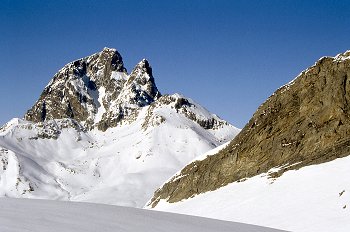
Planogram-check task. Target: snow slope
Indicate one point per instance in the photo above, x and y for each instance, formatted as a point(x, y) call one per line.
point(19, 215)
point(314, 198)
point(59, 159)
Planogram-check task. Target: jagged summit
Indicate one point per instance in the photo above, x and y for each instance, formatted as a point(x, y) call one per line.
point(96, 90)
point(142, 69)
point(113, 56)
point(142, 85)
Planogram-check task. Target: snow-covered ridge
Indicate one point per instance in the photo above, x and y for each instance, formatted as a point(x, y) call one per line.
point(62, 159)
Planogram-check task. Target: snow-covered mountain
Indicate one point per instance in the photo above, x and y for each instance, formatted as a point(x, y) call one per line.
point(288, 167)
point(98, 134)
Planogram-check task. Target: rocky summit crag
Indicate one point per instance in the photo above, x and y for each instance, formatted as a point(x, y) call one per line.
point(303, 123)
point(96, 91)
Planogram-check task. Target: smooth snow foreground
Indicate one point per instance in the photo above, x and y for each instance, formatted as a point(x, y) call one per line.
point(41, 215)
point(314, 198)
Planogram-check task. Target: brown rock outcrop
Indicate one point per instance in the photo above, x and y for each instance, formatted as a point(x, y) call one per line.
point(303, 123)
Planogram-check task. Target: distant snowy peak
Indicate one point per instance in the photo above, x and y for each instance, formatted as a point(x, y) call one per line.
point(140, 88)
point(100, 134)
point(81, 89)
point(96, 91)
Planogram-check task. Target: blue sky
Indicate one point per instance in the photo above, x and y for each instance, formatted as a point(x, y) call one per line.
point(227, 55)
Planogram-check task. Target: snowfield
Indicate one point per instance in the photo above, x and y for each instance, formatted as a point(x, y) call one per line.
point(21, 215)
point(59, 160)
point(314, 198)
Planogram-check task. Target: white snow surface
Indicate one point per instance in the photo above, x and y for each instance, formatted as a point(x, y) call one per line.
point(314, 198)
point(121, 166)
point(119, 75)
point(20, 215)
point(101, 109)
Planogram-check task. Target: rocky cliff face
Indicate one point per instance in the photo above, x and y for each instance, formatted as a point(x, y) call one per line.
point(303, 123)
point(96, 91)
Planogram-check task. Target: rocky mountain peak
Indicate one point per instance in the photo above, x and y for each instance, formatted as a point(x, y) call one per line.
point(142, 73)
point(95, 88)
point(97, 92)
point(140, 87)
point(75, 91)
point(139, 90)
point(112, 56)
point(144, 66)
point(142, 137)
point(303, 123)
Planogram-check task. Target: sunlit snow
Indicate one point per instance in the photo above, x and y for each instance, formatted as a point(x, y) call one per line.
point(314, 198)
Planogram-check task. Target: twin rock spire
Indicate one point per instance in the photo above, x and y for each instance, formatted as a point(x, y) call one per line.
point(97, 91)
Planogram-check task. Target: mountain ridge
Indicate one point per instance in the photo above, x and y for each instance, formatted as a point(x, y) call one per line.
point(302, 123)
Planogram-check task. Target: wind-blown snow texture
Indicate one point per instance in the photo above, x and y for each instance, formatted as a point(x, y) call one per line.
point(314, 198)
point(145, 137)
point(19, 215)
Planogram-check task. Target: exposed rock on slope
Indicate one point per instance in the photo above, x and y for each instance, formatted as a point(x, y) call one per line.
point(304, 122)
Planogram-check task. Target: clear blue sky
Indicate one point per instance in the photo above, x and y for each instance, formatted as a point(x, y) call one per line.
point(227, 55)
